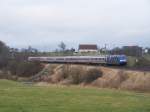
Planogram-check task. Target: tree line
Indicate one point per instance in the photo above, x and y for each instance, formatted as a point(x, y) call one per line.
point(16, 61)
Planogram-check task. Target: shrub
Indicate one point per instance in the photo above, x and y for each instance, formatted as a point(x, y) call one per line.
point(91, 75)
point(72, 73)
point(76, 74)
point(24, 68)
point(80, 75)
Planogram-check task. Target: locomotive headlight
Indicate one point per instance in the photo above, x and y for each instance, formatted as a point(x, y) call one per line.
point(123, 60)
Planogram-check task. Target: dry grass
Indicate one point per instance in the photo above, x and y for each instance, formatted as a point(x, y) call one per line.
point(97, 76)
point(74, 74)
point(125, 80)
point(138, 82)
point(111, 80)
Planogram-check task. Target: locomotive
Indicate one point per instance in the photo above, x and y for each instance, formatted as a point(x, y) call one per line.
point(104, 60)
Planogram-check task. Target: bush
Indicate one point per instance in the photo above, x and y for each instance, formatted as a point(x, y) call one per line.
point(76, 75)
point(91, 75)
point(24, 68)
point(79, 75)
point(72, 73)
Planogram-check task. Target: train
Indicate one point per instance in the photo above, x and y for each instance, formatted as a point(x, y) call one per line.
point(103, 60)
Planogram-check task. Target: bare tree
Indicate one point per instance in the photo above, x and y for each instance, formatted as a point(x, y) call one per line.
point(62, 46)
point(4, 54)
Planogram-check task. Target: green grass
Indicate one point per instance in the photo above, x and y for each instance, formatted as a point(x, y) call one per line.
point(131, 61)
point(16, 97)
point(147, 56)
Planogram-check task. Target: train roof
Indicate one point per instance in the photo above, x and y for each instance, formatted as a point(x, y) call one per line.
point(72, 57)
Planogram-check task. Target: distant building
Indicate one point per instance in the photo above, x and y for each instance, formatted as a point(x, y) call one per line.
point(88, 48)
point(132, 51)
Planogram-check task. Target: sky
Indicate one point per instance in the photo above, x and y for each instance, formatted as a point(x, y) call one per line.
point(45, 23)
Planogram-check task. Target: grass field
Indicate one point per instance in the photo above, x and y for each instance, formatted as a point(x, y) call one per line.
point(16, 97)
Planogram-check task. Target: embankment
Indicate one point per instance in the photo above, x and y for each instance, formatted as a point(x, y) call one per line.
point(103, 77)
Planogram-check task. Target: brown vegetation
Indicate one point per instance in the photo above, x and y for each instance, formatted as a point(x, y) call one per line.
point(24, 68)
point(138, 82)
point(102, 77)
point(75, 75)
point(65, 74)
point(113, 80)
point(128, 80)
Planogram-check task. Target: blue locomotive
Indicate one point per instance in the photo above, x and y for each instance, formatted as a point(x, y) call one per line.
point(116, 60)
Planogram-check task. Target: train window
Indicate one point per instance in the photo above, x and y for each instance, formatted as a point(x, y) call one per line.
point(102, 59)
point(49, 58)
point(68, 58)
point(72, 58)
point(85, 59)
point(97, 58)
point(60, 59)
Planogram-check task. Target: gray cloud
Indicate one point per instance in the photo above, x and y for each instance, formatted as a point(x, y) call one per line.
point(45, 23)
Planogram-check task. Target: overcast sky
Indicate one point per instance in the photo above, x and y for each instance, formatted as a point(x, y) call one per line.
point(44, 23)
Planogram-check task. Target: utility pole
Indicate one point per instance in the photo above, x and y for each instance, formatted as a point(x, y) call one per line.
point(105, 49)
